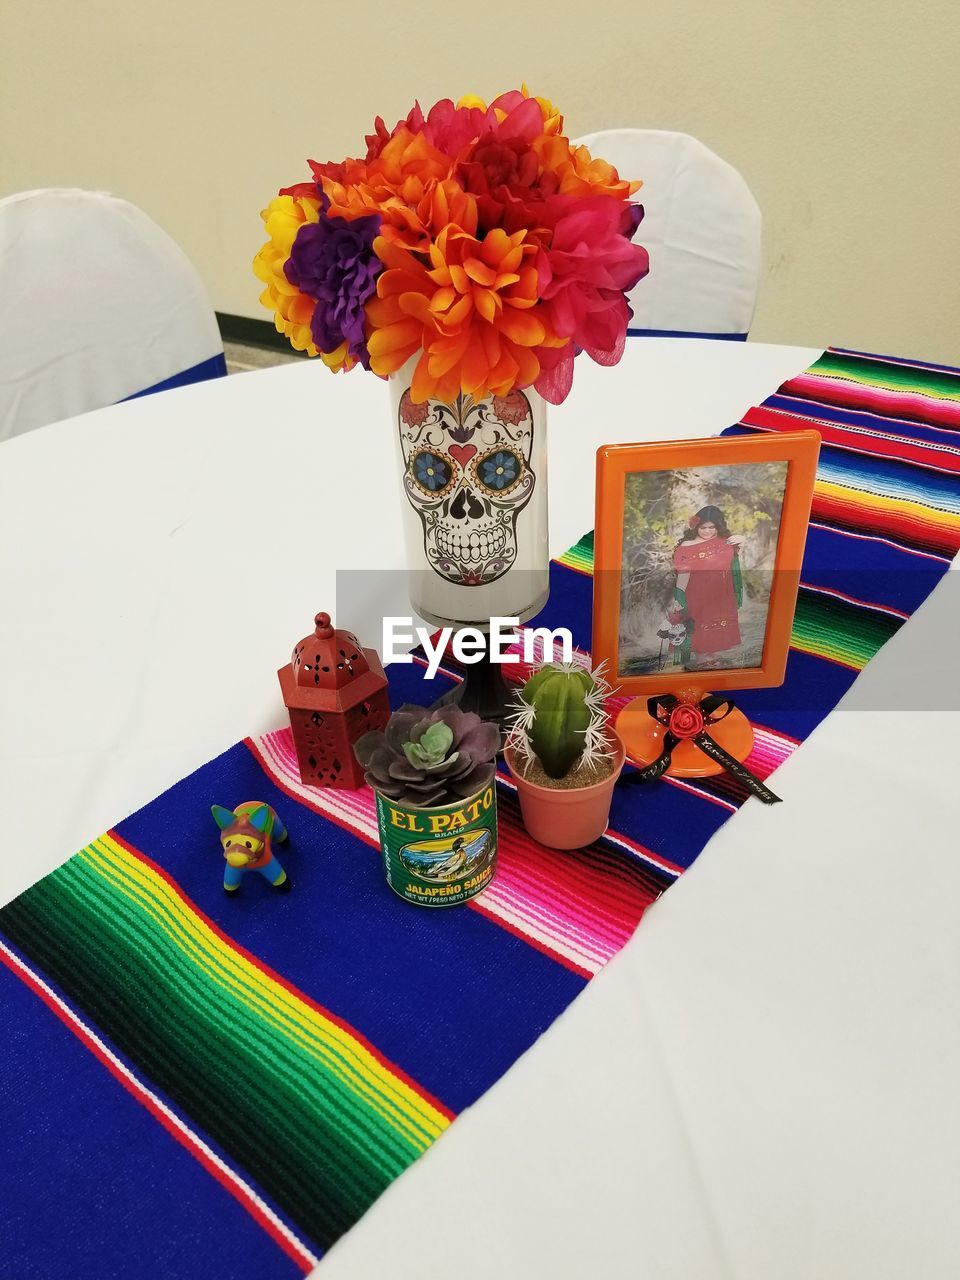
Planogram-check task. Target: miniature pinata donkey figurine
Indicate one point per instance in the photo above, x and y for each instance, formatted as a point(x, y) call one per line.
point(245, 833)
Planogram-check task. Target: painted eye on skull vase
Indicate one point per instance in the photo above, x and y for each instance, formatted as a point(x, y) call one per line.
point(431, 471)
point(499, 470)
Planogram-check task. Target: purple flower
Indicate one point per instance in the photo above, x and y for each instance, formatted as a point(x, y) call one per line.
point(633, 216)
point(333, 261)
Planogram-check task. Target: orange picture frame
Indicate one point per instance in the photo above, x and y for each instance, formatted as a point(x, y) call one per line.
point(800, 450)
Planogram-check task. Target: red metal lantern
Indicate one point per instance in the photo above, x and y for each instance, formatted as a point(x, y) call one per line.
point(334, 692)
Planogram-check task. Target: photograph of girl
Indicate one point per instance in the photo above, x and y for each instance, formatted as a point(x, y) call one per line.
point(699, 546)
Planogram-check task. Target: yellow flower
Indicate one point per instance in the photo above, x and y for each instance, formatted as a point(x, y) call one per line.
point(293, 310)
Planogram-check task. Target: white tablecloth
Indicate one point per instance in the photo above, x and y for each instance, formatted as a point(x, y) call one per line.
point(763, 1083)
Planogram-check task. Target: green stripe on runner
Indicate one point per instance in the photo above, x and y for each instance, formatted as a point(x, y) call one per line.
point(230, 1098)
point(277, 1016)
point(929, 382)
point(580, 556)
point(294, 1126)
point(849, 633)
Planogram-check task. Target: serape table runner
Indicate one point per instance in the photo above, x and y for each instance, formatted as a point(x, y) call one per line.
point(200, 1085)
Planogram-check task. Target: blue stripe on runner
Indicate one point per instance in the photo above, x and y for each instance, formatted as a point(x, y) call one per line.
point(890, 478)
point(873, 423)
point(372, 956)
point(81, 1159)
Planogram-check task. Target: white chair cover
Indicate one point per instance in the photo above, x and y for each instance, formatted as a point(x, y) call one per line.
point(701, 226)
point(97, 304)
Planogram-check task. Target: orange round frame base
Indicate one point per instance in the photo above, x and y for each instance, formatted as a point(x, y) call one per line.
point(643, 738)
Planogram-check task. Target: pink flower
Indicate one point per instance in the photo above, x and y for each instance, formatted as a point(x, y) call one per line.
point(447, 127)
point(583, 276)
point(450, 129)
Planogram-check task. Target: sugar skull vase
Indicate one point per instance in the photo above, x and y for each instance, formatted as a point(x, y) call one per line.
point(474, 479)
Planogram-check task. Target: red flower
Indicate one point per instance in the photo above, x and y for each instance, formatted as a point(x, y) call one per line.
point(693, 522)
point(686, 721)
point(414, 415)
point(512, 408)
point(503, 171)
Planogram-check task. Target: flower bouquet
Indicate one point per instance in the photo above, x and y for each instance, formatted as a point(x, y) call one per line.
point(474, 239)
point(469, 256)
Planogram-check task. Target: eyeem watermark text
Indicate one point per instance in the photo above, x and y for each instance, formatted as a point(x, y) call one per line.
point(469, 644)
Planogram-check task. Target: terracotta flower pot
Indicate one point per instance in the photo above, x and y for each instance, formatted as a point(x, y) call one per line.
point(570, 817)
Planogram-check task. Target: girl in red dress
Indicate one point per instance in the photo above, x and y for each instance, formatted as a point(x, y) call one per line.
point(709, 588)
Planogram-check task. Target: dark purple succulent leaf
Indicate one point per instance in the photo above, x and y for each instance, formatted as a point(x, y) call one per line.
point(387, 787)
point(450, 714)
point(420, 728)
point(424, 784)
point(475, 780)
point(480, 740)
point(380, 762)
point(400, 724)
point(412, 709)
point(365, 746)
point(425, 793)
point(462, 765)
point(425, 800)
point(400, 767)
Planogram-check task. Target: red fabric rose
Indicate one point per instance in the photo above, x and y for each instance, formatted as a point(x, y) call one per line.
point(686, 721)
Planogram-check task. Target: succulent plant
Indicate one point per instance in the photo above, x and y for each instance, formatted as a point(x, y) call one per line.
point(560, 719)
point(429, 757)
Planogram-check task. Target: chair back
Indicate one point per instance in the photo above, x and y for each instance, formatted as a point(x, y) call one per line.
point(97, 304)
point(701, 227)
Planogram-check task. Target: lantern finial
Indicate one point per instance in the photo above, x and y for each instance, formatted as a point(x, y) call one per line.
point(323, 628)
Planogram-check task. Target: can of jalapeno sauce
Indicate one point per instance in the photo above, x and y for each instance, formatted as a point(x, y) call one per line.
point(442, 855)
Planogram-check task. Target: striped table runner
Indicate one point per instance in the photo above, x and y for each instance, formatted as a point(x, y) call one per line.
point(199, 1085)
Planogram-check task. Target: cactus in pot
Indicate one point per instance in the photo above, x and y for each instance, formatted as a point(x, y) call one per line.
point(564, 754)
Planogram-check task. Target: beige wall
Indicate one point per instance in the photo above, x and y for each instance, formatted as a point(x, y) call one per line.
point(843, 117)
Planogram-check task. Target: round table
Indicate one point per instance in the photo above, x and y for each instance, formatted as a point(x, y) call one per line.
point(762, 1083)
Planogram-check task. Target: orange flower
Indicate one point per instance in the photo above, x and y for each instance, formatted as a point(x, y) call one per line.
point(409, 184)
point(578, 173)
point(469, 314)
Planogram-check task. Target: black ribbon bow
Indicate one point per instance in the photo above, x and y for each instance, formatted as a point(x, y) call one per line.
point(712, 709)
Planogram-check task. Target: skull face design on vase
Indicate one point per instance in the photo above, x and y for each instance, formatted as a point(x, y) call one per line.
point(468, 476)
